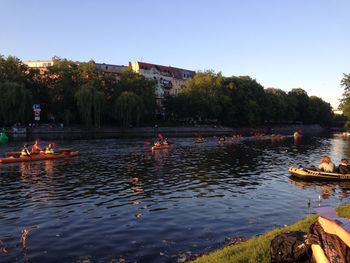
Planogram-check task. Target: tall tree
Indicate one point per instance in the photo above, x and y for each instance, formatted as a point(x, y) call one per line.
point(15, 103)
point(345, 101)
point(90, 102)
point(128, 108)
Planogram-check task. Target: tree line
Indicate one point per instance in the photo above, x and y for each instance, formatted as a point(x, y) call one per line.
point(237, 101)
point(74, 93)
point(79, 93)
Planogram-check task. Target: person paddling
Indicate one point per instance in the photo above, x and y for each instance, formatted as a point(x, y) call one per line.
point(49, 149)
point(36, 148)
point(25, 151)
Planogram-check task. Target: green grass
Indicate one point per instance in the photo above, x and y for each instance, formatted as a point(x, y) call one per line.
point(257, 249)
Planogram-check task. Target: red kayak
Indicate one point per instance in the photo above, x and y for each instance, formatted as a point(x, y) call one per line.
point(38, 157)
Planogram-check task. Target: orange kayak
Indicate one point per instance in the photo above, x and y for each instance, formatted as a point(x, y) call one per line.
point(164, 146)
point(38, 157)
point(17, 154)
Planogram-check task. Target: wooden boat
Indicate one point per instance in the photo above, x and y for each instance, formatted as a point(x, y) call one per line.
point(308, 174)
point(38, 157)
point(17, 154)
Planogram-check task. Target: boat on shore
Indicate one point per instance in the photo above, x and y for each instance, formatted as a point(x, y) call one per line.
point(38, 157)
point(314, 175)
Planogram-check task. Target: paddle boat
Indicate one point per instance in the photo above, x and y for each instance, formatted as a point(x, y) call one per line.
point(309, 174)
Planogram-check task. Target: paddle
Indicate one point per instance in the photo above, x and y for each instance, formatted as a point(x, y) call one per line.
point(147, 142)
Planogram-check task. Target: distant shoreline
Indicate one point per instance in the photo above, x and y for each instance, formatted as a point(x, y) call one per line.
point(152, 132)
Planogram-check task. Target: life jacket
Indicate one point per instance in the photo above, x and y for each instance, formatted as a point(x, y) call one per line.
point(25, 152)
point(48, 150)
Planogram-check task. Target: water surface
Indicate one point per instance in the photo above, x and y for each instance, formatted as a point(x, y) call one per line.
point(118, 200)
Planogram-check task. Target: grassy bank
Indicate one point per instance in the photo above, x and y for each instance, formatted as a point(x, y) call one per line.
point(257, 249)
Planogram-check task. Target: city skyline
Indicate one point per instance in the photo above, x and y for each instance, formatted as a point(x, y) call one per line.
point(284, 45)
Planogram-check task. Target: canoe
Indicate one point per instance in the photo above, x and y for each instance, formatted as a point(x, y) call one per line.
point(199, 141)
point(160, 147)
point(308, 174)
point(38, 157)
point(17, 154)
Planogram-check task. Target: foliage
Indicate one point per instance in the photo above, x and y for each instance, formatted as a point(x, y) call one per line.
point(345, 102)
point(238, 101)
point(129, 108)
point(90, 102)
point(15, 103)
point(77, 92)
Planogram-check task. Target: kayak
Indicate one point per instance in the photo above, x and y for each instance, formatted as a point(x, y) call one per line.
point(165, 146)
point(17, 154)
point(308, 174)
point(38, 157)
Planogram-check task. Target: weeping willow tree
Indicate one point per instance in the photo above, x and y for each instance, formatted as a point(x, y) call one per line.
point(128, 108)
point(90, 102)
point(15, 103)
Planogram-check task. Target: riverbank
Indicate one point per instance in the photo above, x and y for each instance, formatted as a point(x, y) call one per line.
point(257, 249)
point(48, 132)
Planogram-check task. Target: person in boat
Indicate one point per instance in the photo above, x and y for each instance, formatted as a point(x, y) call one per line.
point(49, 149)
point(25, 151)
point(36, 148)
point(344, 167)
point(165, 141)
point(200, 138)
point(326, 164)
point(222, 139)
point(157, 143)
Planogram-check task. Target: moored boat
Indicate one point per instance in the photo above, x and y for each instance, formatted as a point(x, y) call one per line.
point(38, 157)
point(308, 174)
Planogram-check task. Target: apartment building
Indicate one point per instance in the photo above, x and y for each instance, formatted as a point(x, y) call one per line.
point(43, 65)
point(169, 80)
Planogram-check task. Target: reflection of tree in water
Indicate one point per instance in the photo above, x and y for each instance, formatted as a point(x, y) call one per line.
point(326, 189)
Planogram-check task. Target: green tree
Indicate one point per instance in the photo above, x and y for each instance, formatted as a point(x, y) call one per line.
point(90, 103)
point(128, 108)
point(345, 101)
point(15, 103)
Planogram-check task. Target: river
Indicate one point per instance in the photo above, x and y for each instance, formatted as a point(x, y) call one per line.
point(120, 201)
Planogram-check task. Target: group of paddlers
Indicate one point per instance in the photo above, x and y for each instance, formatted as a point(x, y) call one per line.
point(36, 149)
point(161, 142)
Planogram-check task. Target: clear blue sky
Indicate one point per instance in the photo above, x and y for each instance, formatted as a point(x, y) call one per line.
point(281, 43)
